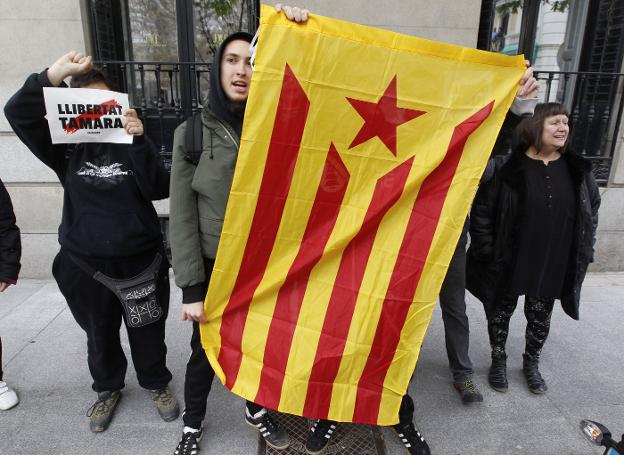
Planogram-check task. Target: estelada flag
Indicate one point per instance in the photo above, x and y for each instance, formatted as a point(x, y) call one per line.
point(360, 155)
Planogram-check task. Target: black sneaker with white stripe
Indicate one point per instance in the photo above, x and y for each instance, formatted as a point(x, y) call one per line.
point(189, 444)
point(412, 439)
point(319, 436)
point(273, 435)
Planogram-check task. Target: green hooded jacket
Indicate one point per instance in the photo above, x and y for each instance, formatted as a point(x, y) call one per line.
point(198, 197)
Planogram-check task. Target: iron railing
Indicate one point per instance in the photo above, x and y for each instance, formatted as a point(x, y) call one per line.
point(595, 101)
point(155, 90)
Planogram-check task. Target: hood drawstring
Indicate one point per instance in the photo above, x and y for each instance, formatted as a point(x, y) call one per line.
point(211, 154)
point(252, 50)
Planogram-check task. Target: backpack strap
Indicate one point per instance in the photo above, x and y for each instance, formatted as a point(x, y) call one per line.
point(193, 141)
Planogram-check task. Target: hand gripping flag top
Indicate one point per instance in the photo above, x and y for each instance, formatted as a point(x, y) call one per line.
point(360, 155)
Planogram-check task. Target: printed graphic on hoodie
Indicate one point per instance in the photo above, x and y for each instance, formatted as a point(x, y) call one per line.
point(103, 174)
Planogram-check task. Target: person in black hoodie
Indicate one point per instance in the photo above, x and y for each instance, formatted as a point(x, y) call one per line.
point(109, 233)
point(10, 253)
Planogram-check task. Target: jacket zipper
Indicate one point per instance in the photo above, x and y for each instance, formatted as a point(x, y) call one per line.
point(226, 130)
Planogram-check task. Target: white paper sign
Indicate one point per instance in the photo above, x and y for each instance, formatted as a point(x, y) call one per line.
point(85, 115)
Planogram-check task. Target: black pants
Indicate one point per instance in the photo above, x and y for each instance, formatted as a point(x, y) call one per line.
point(453, 306)
point(406, 410)
point(456, 328)
point(537, 311)
point(199, 376)
point(99, 313)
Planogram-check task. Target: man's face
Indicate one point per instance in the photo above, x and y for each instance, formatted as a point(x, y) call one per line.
point(236, 71)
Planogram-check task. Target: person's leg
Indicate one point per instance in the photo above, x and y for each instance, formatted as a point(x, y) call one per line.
point(149, 352)
point(456, 328)
point(453, 306)
point(498, 330)
point(406, 410)
point(197, 385)
point(8, 397)
point(197, 382)
point(98, 313)
point(407, 432)
point(147, 343)
point(199, 374)
point(538, 312)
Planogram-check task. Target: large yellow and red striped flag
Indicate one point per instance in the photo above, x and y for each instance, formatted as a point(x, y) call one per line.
point(360, 154)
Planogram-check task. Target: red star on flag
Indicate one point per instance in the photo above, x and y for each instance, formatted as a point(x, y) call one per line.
point(381, 119)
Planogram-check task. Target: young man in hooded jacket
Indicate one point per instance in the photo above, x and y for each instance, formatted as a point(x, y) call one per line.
point(200, 187)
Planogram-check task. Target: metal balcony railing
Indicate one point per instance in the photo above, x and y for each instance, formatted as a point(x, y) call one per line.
point(156, 91)
point(595, 102)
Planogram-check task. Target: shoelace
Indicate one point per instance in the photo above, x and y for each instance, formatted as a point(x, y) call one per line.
point(162, 396)
point(100, 407)
point(186, 443)
point(269, 423)
point(470, 387)
point(325, 428)
point(411, 434)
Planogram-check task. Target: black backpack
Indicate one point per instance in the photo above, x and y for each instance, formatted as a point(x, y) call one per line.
point(193, 142)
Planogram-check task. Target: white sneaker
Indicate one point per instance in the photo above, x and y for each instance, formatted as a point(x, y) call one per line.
point(8, 397)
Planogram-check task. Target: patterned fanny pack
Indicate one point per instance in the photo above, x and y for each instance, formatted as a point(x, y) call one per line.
point(137, 295)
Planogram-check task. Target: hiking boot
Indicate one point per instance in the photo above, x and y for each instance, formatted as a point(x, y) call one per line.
point(412, 439)
point(498, 373)
point(189, 443)
point(533, 377)
point(8, 397)
point(166, 404)
point(273, 435)
point(101, 413)
point(468, 392)
point(319, 436)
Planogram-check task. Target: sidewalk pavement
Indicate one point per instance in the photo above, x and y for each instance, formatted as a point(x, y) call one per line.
point(45, 360)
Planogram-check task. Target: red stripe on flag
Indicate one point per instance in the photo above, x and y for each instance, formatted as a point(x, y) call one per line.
point(408, 269)
point(290, 120)
point(345, 292)
point(323, 215)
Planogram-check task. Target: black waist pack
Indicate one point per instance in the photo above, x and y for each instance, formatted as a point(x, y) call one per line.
point(137, 295)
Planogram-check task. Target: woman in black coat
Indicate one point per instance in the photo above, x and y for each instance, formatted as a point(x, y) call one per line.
point(532, 231)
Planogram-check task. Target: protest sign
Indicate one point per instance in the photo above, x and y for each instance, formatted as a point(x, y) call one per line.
point(85, 115)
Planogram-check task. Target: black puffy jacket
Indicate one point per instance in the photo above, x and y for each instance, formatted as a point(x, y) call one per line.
point(495, 219)
point(10, 246)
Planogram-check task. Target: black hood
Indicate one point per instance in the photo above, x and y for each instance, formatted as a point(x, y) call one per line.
point(217, 101)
